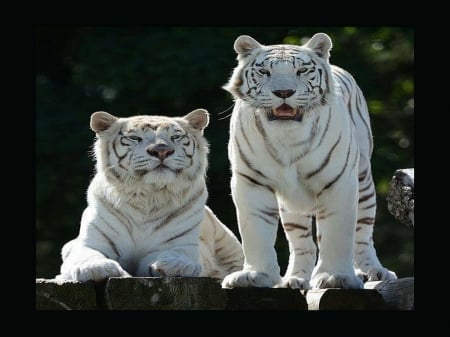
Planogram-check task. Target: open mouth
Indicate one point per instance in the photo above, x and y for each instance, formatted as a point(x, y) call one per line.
point(285, 112)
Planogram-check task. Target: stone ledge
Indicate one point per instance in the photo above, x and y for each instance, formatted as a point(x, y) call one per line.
point(174, 293)
point(65, 295)
point(202, 293)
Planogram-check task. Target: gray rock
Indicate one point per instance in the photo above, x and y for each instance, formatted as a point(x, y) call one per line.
point(400, 199)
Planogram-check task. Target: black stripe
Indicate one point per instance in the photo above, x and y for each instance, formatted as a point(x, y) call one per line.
point(289, 226)
point(362, 175)
point(366, 197)
point(181, 234)
point(342, 81)
point(255, 182)
point(247, 162)
point(340, 173)
point(324, 215)
point(230, 262)
point(365, 188)
point(122, 218)
point(115, 173)
point(262, 217)
point(260, 127)
point(326, 161)
point(244, 134)
point(328, 79)
point(195, 144)
point(307, 234)
point(180, 210)
point(370, 206)
point(270, 148)
point(270, 213)
point(345, 77)
point(358, 108)
point(303, 251)
point(350, 111)
point(107, 224)
point(114, 143)
point(111, 243)
point(326, 129)
point(366, 221)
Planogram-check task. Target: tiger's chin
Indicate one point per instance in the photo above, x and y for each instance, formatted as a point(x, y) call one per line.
point(160, 175)
point(285, 112)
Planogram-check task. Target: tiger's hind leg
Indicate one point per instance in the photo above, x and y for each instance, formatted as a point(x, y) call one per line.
point(302, 250)
point(366, 262)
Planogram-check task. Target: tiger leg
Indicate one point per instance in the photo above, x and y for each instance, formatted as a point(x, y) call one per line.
point(302, 250)
point(182, 259)
point(366, 261)
point(335, 236)
point(219, 244)
point(82, 263)
point(257, 213)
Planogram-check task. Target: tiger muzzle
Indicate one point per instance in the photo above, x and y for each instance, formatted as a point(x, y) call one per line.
point(161, 151)
point(285, 112)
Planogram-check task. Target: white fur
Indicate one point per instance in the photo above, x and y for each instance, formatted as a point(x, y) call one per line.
point(277, 168)
point(145, 221)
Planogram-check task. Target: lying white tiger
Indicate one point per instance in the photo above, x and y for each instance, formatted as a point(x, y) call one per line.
point(146, 213)
point(300, 147)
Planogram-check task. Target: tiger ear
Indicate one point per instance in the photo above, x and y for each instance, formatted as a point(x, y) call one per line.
point(101, 121)
point(245, 45)
point(321, 44)
point(198, 119)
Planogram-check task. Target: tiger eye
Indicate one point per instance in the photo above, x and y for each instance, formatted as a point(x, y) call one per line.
point(264, 72)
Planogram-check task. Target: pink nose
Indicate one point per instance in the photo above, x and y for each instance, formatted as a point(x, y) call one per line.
point(160, 151)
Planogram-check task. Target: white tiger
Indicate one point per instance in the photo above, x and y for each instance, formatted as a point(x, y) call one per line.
point(146, 213)
point(300, 147)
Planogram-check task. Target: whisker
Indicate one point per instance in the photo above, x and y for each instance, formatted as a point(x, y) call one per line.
point(225, 117)
point(227, 109)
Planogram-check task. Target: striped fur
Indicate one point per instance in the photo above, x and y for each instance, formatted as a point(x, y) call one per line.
point(146, 213)
point(300, 147)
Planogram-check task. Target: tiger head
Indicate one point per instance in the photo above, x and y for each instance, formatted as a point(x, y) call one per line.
point(151, 149)
point(285, 81)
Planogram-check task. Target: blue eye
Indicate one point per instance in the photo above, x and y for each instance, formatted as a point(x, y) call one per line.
point(176, 137)
point(134, 138)
point(264, 71)
point(302, 71)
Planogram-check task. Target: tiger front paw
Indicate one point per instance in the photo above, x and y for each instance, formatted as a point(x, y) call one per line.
point(336, 280)
point(98, 271)
point(174, 264)
point(294, 282)
point(249, 278)
point(380, 274)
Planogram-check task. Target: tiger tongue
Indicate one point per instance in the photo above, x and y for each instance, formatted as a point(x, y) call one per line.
point(284, 110)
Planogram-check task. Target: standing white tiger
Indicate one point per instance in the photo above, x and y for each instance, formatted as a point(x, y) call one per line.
point(300, 147)
point(146, 213)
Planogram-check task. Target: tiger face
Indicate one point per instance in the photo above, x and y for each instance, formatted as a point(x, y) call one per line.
point(285, 81)
point(150, 148)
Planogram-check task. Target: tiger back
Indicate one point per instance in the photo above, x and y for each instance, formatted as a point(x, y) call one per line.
point(300, 147)
point(146, 213)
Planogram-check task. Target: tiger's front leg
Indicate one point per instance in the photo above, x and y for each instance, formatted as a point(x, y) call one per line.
point(366, 261)
point(257, 213)
point(335, 235)
point(302, 249)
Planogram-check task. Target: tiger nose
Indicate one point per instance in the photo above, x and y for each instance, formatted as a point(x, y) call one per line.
point(160, 151)
point(283, 93)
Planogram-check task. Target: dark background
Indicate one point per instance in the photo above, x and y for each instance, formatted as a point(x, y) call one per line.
point(174, 70)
